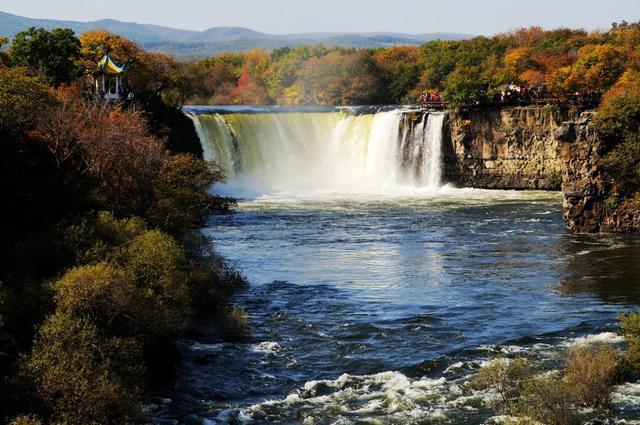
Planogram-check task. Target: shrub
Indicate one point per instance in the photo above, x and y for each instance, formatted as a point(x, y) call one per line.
point(619, 112)
point(83, 377)
point(630, 323)
point(234, 323)
point(507, 378)
point(623, 164)
point(547, 399)
point(104, 295)
point(555, 397)
point(129, 171)
point(590, 372)
point(92, 239)
point(212, 279)
point(612, 202)
point(157, 264)
point(181, 198)
point(26, 420)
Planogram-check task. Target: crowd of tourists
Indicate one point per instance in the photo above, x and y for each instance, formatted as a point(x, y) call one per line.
point(432, 96)
point(514, 95)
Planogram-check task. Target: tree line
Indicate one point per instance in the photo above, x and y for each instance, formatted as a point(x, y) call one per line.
point(563, 62)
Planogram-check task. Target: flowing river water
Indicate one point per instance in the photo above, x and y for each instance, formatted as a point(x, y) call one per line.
point(376, 303)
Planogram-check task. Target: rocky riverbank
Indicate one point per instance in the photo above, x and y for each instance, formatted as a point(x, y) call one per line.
point(590, 203)
point(544, 148)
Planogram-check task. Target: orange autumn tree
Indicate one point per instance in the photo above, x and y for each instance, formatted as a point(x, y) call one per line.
point(251, 88)
point(133, 172)
point(97, 43)
point(400, 68)
point(597, 68)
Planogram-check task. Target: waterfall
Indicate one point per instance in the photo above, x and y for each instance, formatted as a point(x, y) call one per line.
point(334, 151)
point(432, 161)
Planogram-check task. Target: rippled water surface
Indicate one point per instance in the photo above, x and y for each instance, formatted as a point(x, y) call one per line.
point(380, 307)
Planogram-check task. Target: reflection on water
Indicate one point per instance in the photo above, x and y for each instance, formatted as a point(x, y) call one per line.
point(604, 265)
point(381, 306)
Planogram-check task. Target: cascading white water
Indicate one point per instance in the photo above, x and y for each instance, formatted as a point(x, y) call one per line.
point(323, 151)
point(433, 160)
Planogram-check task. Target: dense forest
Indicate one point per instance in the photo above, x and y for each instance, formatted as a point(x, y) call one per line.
point(562, 61)
point(102, 266)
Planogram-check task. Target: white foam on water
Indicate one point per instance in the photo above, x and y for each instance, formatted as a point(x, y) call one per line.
point(386, 396)
point(601, 338)
point(267, 347)
point(626, 397)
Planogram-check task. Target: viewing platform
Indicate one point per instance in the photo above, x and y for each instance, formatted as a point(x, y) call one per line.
point(577, 101)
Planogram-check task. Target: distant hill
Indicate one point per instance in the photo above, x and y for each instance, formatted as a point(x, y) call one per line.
point(188, 44)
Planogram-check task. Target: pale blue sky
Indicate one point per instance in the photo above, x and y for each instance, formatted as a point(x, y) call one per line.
point(292, 16)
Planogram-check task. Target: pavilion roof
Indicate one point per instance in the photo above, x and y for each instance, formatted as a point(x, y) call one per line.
point(108, 66)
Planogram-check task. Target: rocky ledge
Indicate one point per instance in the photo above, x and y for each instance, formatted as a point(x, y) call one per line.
point(508, 148)
point(544, 148)
point(590, 205)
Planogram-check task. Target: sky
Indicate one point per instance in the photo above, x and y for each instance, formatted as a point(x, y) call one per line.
point(481, 17)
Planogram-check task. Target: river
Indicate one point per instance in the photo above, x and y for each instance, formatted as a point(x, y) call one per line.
point(375, 304)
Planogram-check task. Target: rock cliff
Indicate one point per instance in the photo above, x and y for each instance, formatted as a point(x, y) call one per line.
point(538, 148)
point(510, 148)
point(590, 204)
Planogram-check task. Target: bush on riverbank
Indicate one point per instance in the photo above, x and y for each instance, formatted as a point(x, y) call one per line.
point(631, 332)
point(113, 316)
point(554, 397)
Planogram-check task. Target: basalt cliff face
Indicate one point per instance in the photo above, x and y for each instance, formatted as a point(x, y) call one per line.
point(509, 148)
point(590, 205)
point(538, 148)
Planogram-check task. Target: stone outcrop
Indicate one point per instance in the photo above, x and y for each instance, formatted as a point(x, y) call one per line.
point(590, 204)
point(538, 148)
point(510, 148)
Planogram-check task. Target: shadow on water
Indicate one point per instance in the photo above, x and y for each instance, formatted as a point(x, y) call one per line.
point(604, 265)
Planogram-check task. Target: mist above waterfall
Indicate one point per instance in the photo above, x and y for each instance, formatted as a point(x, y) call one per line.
point(336, 151)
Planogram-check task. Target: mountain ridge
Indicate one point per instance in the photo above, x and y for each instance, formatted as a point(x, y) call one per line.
point(191, 44)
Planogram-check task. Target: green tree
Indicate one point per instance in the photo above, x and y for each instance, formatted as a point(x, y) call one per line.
point(23, 100)
point(438, 60)
point(48, 54)
point(401, 71)
point(83, 377)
